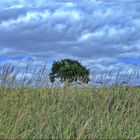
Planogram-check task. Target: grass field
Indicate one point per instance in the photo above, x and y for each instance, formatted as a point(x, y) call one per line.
point(70, 113)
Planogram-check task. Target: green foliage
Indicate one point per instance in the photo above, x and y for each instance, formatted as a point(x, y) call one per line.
point(69, 70)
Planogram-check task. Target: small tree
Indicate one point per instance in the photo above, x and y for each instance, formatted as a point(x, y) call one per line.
point(69, 70)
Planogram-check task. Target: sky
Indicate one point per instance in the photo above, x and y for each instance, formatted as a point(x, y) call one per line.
point(103, 35)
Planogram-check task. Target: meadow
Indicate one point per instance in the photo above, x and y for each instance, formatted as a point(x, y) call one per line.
point(69, 112)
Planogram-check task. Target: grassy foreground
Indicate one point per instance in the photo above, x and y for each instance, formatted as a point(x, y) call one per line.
point(67, 113)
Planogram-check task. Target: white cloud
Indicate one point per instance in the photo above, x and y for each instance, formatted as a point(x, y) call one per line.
point(101, 33)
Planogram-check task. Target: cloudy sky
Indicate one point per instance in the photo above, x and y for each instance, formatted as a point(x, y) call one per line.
point(103, 34)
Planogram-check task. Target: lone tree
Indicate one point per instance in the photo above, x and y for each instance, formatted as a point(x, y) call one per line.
point(69, 70)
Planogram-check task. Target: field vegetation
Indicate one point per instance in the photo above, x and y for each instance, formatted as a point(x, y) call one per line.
point(29, 109)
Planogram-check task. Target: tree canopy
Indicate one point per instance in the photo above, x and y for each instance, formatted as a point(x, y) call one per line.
point(69, 70)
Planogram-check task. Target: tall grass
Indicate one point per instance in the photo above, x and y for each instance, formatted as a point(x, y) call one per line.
point(29, 76)
point(65, 112)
